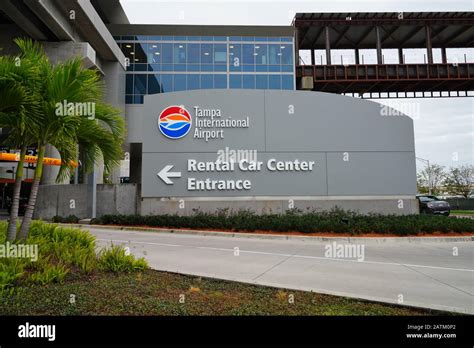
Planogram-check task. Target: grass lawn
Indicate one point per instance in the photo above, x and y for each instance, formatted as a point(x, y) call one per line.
point(158, 293)
point(463, 212)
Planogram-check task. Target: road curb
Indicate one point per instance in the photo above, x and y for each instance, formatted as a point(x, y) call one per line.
point(281, 237)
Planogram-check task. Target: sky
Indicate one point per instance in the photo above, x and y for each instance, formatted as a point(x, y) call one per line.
point(444, 127)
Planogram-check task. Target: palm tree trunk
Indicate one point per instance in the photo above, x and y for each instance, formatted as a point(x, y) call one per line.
point(11, 234)
point(30, 208)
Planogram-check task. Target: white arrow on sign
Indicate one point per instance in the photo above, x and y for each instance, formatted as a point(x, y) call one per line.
point(165, 174)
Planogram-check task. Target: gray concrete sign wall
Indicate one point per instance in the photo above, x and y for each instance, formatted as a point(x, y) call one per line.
point(227, 145)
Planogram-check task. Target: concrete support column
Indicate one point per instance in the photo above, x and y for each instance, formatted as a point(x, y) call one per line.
point(379, 45)
point(429, 47)
point(444, 56)
point(136, 163)
point(297, 47)
point(400, 56)
point(92, 195)
point(114, 76)
point(51, 172)
point(328, 45)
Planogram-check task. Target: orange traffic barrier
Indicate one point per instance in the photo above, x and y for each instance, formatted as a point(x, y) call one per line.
point(15, 157)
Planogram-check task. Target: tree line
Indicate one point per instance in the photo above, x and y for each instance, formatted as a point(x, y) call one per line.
point(437, 179)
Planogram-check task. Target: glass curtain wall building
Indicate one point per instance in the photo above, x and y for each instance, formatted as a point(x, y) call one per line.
point(160, 64)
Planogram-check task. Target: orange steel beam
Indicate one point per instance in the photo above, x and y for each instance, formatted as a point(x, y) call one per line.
point(14, 157)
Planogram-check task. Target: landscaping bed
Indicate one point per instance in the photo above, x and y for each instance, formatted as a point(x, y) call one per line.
point(344, 223)
point(159, 293)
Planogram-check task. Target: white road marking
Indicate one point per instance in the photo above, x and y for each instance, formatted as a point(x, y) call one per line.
point(287, 255)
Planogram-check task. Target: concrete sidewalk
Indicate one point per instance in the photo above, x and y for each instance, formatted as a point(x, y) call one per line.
point(422, 274)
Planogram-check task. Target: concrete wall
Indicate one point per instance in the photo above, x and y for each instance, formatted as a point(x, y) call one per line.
point(270, 205)
point(64, 200)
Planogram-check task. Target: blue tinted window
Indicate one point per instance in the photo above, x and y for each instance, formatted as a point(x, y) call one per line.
point(235, 38)
point(274, 54)
point(220, 81)
point(262, 81)
point(274, 39)
point(235, 57)
point(248, 81)
point(154, 53)
point(287, 39)
point(194, 38)
point(129, 99)
point(179, 53)
point(287, 68)
point(194, 67)
point(167, 38)
point(206, 53)
point(207, 38)
point(154, 67)
point(274, 68)
point(167, 82)
point(220, 53)
point(154, 84)
point(287, 81)
point(179, 82)
point(141, 67)
point(261, 68)
point(193, 81)
point(248, 54)
point(139, 84)
point(129, 84)
point(220, 38)
point(179, 67)
point(180, 38)
point(154, 38)
point(140, 55)
point(220, 67)
point(138, 99)
point(194, 53)
point(207, 67)
point(206, 81)
point(167, 53)
point(286, 54)
point(261, 54)
point(248, 38)
point(248, 68)
point(235, 81)
point(274, 81)
point(167, 67)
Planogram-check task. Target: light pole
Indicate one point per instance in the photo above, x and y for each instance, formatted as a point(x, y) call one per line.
point(429, 172)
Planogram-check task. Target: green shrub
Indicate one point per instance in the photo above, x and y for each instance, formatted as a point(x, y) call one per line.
point(50, 273)
point(11, 269)
point(336, 220)
point(115, 259)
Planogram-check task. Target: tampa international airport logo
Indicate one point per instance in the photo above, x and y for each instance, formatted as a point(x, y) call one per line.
point(174, 122)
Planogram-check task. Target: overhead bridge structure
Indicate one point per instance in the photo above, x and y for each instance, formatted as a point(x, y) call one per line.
point(430, 31)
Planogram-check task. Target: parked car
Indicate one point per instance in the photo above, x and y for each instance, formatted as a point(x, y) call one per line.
point(433, 205)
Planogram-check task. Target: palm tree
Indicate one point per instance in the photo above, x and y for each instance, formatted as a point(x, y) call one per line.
point(100, 138)
point(18, 114)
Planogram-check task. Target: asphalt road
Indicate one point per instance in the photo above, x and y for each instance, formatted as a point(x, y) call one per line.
point(422, 274)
